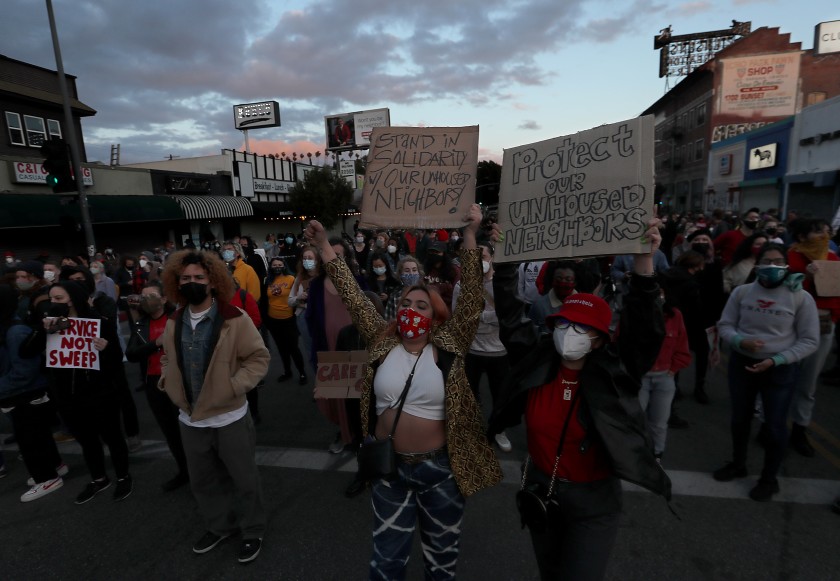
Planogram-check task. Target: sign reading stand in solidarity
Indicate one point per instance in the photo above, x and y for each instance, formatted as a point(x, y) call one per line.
point(73, 346)
point(588, 194)
point(419, 177)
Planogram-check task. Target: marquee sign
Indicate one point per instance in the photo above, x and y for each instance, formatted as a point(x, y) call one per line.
point(680, 55)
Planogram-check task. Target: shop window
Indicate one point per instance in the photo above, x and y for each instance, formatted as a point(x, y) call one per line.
point(54, 128)
point(814, 98)
point(701, 114)
point(35, 131)
point(15, 128)
point(698, 150)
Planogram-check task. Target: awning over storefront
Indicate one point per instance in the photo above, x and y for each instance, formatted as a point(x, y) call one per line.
point(44, 210)
point(209, 207)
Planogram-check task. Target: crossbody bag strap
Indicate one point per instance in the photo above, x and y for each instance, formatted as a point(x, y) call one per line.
point(403, 396)
point(559, 448)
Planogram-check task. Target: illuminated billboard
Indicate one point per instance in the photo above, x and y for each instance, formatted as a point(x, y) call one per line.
point(352, 130)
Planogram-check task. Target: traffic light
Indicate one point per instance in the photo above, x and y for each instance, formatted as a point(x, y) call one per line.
point(57, 165)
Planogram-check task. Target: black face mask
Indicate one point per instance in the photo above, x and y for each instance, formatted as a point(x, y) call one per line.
point(772, 231)
point(751, 224)
point(701, 247)
point(277, 271)
point(247, 250)
point(58, 310)
point(194, 292)
point(433, 261)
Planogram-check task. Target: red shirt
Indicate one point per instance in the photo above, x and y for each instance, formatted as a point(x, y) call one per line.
point(546, 413)
point(156, 327)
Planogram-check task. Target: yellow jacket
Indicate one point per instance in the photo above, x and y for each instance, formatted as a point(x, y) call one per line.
point(247, 278)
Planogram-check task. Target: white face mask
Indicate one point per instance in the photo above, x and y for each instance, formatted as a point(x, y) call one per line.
point(572, 344)
point(485, 266)
point(455, 238)
point(49, 275)
point(143, 263)
point(379, 270)
point(392, 249)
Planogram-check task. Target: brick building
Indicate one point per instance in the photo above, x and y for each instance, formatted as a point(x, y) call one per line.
point(757, 80)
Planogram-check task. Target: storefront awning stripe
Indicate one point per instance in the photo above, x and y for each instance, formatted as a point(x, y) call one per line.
point(211, 207)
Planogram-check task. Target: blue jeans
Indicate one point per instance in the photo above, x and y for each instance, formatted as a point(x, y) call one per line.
point(427, 491)
point(655, 398)
point(776, 387)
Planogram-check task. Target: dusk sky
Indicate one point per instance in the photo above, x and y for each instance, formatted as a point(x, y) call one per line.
point(164, 76)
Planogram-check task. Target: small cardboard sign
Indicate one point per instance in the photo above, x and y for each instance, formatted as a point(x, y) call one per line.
point(419, 177)
point(73, 347)
point(827, 278)
point(587, 194)
point(340, 374)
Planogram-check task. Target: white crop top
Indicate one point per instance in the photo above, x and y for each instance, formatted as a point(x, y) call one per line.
point(425, 397)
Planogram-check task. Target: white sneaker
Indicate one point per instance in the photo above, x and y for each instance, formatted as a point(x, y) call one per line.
point(42, 489)
point(62, 470)
point(337, 447)
point(503, 442)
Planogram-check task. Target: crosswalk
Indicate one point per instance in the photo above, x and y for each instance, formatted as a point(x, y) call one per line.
point(684, 482)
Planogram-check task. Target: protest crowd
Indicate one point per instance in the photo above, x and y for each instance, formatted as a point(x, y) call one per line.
point(565, 345)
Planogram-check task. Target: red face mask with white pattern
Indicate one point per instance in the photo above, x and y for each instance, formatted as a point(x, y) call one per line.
point(412, 324)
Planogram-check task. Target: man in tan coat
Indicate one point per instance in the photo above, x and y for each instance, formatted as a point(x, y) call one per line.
point(213, 355)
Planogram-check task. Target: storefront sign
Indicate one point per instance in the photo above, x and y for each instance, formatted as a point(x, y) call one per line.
point(763, 157)
point(827, 37)
point(28, 172)
point(272, 186)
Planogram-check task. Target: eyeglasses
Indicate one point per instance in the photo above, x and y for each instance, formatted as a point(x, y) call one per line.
point(772, 262)
point(564, 324)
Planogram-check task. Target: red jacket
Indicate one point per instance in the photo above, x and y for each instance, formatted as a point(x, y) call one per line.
point(674, 354)
point(798, 262)
point(250, 306)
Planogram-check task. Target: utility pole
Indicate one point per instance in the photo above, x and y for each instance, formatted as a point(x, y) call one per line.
point(71, 137)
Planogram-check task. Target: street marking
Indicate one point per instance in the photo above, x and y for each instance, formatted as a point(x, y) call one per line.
point(683, 482)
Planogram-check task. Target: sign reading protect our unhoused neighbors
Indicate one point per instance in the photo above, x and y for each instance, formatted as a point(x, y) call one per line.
point(73, 347)
point(419, 177)
point(587, 194)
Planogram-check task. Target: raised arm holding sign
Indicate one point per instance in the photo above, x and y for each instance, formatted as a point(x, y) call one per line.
point(419, 177)
point(588, 194)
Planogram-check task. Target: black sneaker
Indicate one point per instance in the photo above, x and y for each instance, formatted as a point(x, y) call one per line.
point(764, 490)
point(208, 542)
point(123, 488)
point(676, 422)
point(249, 549)
point(176, 482)
point(284, 377)
point(730, 472)
point(302, 380)
point(92, 489)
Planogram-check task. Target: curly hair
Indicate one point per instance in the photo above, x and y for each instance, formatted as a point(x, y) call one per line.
point(220, 278)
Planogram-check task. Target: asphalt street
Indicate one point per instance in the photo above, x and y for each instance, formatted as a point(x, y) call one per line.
point(315, 533)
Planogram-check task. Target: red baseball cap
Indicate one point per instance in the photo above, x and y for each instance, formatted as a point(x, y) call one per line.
point(586, 309)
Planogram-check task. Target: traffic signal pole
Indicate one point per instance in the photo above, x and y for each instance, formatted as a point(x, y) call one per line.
point(70, 127)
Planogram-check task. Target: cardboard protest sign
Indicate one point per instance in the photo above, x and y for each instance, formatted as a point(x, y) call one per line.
point(587, 194)
point(73, 347)
point(419, 177)
point(340, 374)
point(827, 278)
